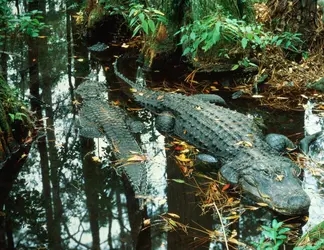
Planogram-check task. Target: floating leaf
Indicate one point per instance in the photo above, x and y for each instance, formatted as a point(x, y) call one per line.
point(96, 159)
point(136, 158)
point(147, 222)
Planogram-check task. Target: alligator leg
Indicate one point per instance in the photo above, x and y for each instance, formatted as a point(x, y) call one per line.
point(207, 163)
point(280, 143)
point(135, 126)
point(216, 99)
point(165, 122)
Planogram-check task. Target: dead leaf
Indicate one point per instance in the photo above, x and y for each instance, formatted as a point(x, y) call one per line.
point(96, 159)
point(179, 148)
point(182, 157)
point(262, 204)
point(124, 45)
point(279, 177)
point(174, 215)
point(147, 222)
point(226, 187)
point(257, 96)
point(160, 97)
point(76, 102)
point(244, 143)
point(198, 107)
point(136, 158)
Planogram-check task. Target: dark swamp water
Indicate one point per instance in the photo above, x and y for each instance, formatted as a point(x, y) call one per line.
point(69, 184)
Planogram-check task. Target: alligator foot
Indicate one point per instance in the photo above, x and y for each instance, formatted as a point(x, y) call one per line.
point(305, 143)
point(165, 122)
point(280, 143)
point(135, 127)
point(216, 99)
point(207, 163)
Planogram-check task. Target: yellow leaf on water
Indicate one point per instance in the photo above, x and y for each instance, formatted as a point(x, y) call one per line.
point(96, 159)
point(80, 60)
point(136, 158)
point(147, 222)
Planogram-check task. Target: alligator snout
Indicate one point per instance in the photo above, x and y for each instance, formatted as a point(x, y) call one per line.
point(301, 202)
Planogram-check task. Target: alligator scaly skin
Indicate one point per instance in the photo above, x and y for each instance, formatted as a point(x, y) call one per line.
point(234, 138)
point(98, 118)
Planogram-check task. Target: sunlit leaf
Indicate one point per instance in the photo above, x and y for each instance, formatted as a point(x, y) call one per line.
point(96, 159)
point(262, 204)
point(124, 45)
point(178, 181)
point(147, 222)
point(232, 217)
point(257, 96)
point(136, 158)
point(174, 215)
point(235, 67)
point(172, 222)
point(182, 157)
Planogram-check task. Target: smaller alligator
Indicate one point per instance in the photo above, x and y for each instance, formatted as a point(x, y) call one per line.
point(246, 158)
point(98, 118)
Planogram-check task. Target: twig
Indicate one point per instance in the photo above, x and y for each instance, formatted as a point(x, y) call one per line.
point(223, 228)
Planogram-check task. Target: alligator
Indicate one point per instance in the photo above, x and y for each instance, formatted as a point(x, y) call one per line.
point(98, 118)
point(234, 138)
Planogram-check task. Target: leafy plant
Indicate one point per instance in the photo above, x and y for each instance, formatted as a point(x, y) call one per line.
point(272, 237)
point(218, 29)
point(30, 24)
point(146, 20)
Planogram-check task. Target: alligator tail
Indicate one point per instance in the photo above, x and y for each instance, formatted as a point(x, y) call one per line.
point(140, 80)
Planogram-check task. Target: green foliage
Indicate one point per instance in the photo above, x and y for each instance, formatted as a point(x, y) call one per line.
point(27, 23)
point(216, 30)
point(30, 24)
point(317, 246)
point(272, 237)
point(145, 20)
point(312, 240)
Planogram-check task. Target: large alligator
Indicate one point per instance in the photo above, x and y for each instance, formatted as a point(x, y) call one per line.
point(247, 159)
point(98, 118)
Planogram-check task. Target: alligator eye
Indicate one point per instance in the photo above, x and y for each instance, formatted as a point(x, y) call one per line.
point(250, 180)
point(266, 172)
